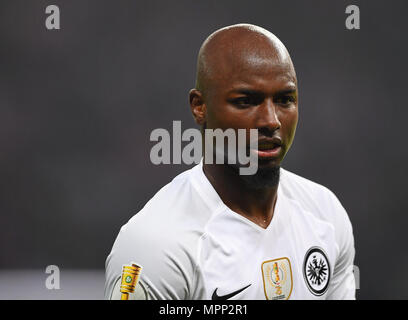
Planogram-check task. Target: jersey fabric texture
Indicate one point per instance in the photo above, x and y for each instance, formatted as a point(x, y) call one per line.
point(192, 246)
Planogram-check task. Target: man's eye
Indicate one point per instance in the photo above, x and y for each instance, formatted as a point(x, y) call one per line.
point(240, 102)
point(245, 101)
point(285, 100)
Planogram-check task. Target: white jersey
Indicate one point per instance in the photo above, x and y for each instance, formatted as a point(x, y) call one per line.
point(192, 246)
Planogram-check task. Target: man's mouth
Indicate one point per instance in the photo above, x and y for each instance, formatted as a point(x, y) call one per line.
point(269, 148)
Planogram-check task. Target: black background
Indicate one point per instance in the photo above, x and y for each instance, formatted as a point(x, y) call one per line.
point(77, 106)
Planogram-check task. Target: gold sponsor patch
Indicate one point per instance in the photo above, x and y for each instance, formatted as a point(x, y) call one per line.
point(277, 279)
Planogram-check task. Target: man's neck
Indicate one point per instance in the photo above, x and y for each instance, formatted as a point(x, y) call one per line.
point(257, 205)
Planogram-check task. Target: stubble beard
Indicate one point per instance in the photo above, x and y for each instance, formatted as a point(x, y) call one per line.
point(264, 178)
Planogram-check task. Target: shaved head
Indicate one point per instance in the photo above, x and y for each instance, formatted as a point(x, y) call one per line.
point(246, 80)
point(235, 50)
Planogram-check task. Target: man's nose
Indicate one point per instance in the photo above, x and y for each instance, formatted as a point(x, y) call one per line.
point(267, 116)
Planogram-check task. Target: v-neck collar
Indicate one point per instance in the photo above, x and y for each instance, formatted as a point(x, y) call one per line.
point(215, 203)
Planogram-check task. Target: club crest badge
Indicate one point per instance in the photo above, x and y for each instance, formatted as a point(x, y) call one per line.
point(277, 279)
point(316, 271)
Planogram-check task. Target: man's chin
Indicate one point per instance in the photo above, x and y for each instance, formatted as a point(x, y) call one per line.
point(267, 176)
point(268, 163)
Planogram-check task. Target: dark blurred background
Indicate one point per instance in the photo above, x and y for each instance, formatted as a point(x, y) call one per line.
point(77, 106)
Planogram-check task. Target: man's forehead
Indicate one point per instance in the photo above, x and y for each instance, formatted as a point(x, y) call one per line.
point(255, 65)
point(261, 86)
point(256, 73)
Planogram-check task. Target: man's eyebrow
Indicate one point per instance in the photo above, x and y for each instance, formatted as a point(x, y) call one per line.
point(289, 90)
point(246, 91)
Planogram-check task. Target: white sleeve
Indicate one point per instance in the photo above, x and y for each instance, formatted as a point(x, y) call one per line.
point(342, 285)
point(140, 292)
point(168, 270)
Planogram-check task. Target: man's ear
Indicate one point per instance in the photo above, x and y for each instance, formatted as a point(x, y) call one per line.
point(198, 107)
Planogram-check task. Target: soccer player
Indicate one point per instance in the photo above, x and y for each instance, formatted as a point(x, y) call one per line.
point(212, 233)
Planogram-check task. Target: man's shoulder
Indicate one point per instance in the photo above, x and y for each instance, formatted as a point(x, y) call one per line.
point(173, 194)
point(173, 211)
point(163, 229)
point(314, 198)
point(294, 184)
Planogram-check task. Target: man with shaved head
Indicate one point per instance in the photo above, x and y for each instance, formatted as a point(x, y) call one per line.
point(213, 233)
